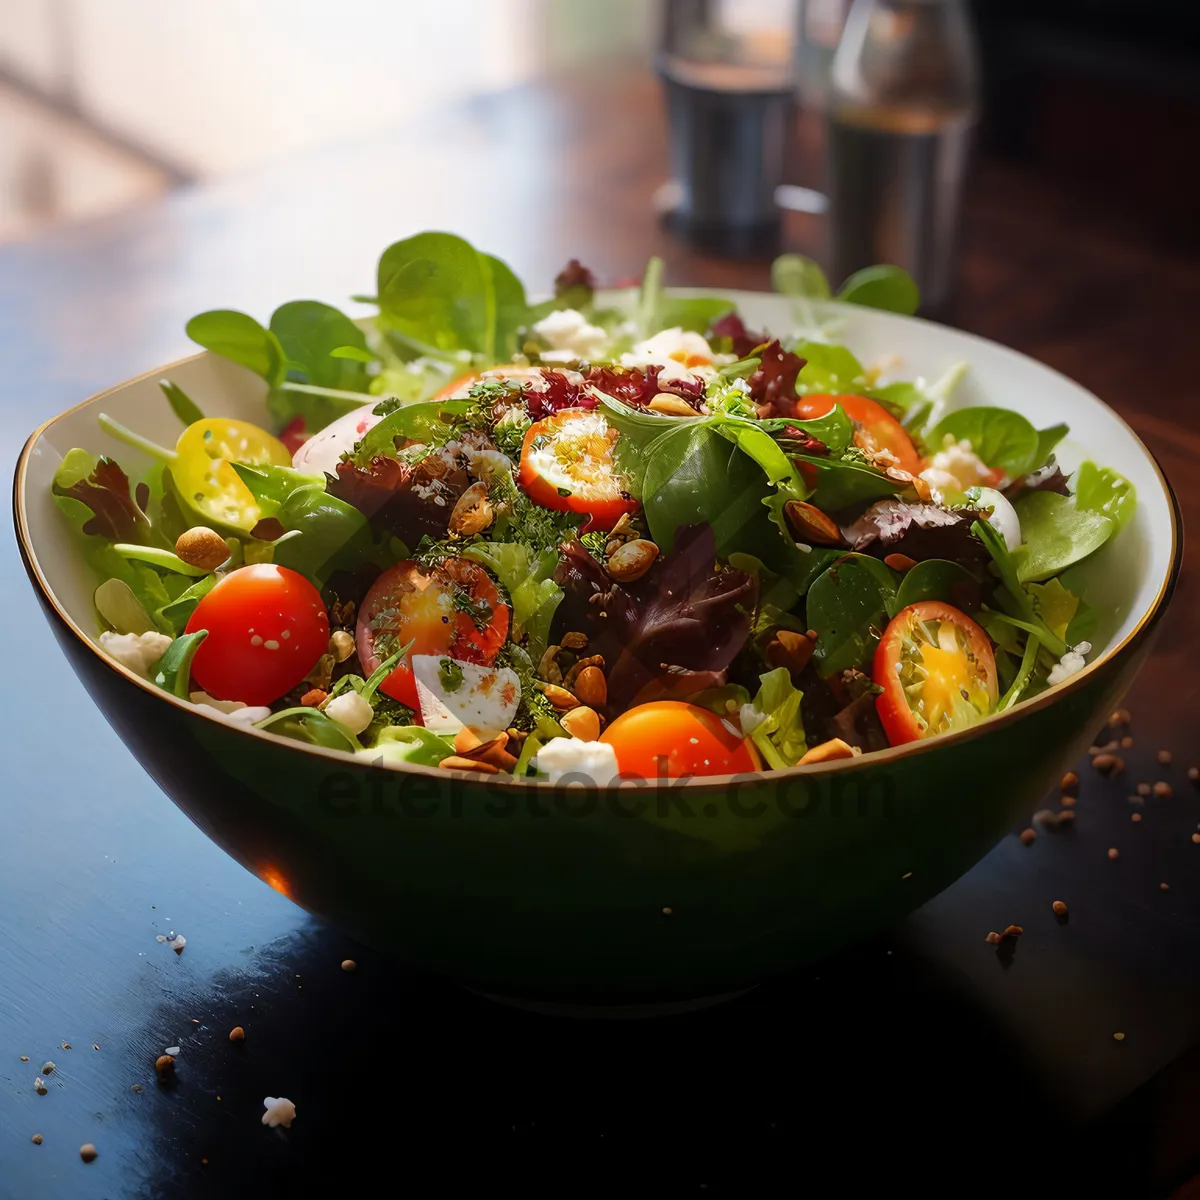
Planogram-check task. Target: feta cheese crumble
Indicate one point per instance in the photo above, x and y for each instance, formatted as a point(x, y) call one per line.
point(954, 468)
point(137, 651)
point(571, 335)
point(1070, 664)
point(350, 711)
point(586, 763)
point(680, 353)
point(485, 698)
point(232, 710)
point(280, 1111)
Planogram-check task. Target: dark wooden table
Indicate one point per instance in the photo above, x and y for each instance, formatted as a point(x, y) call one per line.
point(921, 1058)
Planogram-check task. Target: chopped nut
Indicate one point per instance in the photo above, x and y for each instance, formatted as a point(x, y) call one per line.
point(829, 751)
point(36, 1139)
point(1143, 789)
point(466, 740)
point(348, 964)
point(632, 560)
point(24, 1057)
point(1120, 717)
point(47, 1068)
point(202, 547)
point(164, 1064)
point(455, 763)
point(1113, 854)
point(1070, 783)
point(341, 645)
point(1163, 790)
point(575, 641)
point(1028, 837)
point(790, 649)
point(1013, 931)
point(548, 668)
point(1164, 757)
point(314, 698)
point(66, 1045)
point(899, 562)
point(560, 698)
point(237, 1034)
point(579, 666)
point(472, 513)
point(516, 736)
point(39, 1086)
point(591, 688)
point(811, 525)
point(1108, 764)
point(582, 723)
point(1059, 908)
point(671, 406)
point(87, 1152)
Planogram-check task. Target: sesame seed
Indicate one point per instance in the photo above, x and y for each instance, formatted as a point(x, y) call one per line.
point(287, 633)
point(256, 640)
point(271, 644)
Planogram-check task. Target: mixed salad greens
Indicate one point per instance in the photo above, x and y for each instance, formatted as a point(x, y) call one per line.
point(567, 540)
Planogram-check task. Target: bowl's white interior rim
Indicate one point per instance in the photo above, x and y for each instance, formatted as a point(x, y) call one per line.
point(1151, 543)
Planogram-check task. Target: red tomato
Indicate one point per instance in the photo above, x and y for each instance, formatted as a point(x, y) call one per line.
point(876, 428)
point(567, 465)
point(266, 625)
point(454, 610)
point(668, 739)
point(937, 671)
point(294, 435)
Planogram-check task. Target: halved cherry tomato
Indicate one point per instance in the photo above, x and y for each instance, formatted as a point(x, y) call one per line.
point(453, 609)
point(267, 626)
point(461, 386)
point(876, 428)
point(937, 671)
point(567, 465)
point(668, 739)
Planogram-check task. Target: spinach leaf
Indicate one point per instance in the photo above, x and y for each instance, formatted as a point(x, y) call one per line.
point(173, 672)
point(241, 339)
point(527, 576)
point(1048, 439)
point(835, 429)
point(311, 726)
point(182, 405)
point(1000, 437)
point(779, 735)
point(1102, 490)
point(780, 471)
point(1056, 533)
point(831, 369)
point(843, 482)
point(444, 296)
point(848, 606)
point(409, 744)
point(333, 534)
point(271, 485)
point(797, 276)
point(356, 353)
point(174, 615)
point(932, 579)
point(416, 422)
point(309, 333)
point(886, 287)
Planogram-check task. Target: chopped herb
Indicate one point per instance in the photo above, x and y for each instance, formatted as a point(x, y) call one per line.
point(450, 675)
point(479, 610)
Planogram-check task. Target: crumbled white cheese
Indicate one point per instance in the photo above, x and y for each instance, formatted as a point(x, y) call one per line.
point(750, 719)
point(232, 710)
point(486, 698)
point(350, 711)
point(571, 335)
point(1070, 664)
point(955, 468)
point(280, 1111)
point(680, 353)
point(585, 763)
point(137, 651)
point(1004, 517)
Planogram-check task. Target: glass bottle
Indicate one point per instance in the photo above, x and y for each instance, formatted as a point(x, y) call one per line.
point(903, 101)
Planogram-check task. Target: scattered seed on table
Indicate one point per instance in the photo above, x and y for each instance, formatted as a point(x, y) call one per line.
point(1135, 817)
point(1194, 773)
point(171, 1050)
point(47, 1068)
point(668, 911)
point(1113, 853)
point(1120, 717)
point(1138, 800)
point(1060, 909)
point(1144, 789)
point(66, 1045)
point(1127, 742)
point(24, 1057)
point(1118, 1037)
point(348, 964)
point(135, 1087)
point(39, 1086)
point(1066, 816)
point(906, 875)
point(164, 1064)
point(1067, 800)
point(1196, 838)
point(95, 1047)
point(1028, 837)
point(36, 1139)
point(1070, 782)
point(1045, 816)
point(1109, 764)
point(87, 1152)
point(1162, 789)
point(1164, 757)
point(237, 1034)
point(1164, 887)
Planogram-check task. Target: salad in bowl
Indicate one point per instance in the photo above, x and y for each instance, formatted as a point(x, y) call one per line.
point(597, 538)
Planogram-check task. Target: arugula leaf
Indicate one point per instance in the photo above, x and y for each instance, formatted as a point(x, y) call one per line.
point(439, 292)
point(797, 276)
point(333, 534)
point(886, 287)
point(310, 333)
point(1056, 533)
point(933, 579)
point(848, 606)
point(182, 405)
point(831, 369)
point(780, 735)
point(1054, 605)
point(527, 576)
point(173, 672)
point(1102, 490)
point(241, 339)
point(409, 744)
point(780, 471)
point(1048, 439)
point(845, 482)
point(175, 615)
point(1000, 437)
point(312, 726)
point(834, 430)
point(271, 485)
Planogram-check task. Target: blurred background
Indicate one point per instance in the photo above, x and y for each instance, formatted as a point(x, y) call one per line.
point(105, 103)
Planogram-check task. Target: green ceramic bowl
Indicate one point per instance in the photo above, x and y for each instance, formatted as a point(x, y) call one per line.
point(565, 897)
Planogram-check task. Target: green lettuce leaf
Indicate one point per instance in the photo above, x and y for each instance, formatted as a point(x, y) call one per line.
point(779, 737)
